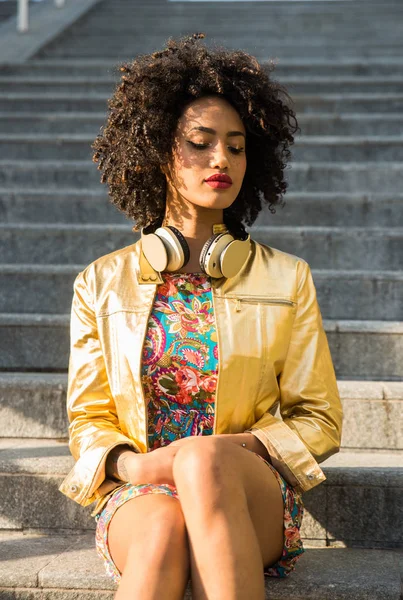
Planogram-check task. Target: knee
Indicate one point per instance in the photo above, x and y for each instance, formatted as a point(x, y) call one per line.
point(201, 462)
point(168, 523)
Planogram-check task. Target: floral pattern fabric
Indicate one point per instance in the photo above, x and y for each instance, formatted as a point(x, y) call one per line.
point(180, 358)
point(179, 375)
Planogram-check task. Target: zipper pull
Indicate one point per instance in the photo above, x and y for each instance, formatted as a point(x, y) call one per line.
point(238, 305)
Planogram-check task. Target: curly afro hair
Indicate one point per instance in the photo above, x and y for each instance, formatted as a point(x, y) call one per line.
point(143, 114)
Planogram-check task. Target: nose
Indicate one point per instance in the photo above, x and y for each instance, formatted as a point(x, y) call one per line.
point(219, 156)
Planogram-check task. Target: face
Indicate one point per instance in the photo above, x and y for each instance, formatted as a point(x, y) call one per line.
point(209, 140)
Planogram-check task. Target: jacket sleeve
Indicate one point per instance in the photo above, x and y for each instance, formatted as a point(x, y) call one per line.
point(94, 426)
point(310, 406)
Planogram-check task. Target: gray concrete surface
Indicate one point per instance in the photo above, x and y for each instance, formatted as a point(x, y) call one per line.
point(46, 21)
point(320, 573)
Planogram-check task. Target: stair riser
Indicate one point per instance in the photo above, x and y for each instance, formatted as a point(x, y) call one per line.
point(355, 354)
point(59, 124)
point(366, 51)
point(53, 593)
point(340, 152)
point(310, 125)
point(315, 28)
point(313, 104)
point(341, 125)
point(38, 410)
point(66, 207)
point(335, 210)
point(305, 152)
point(347, 297)
point(345, 178)
point(323, 250)
point(39, 505)
point(294, 87)
point(386, 68)
point(343, 104)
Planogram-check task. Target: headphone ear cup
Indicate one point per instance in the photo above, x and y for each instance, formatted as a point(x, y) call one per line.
point(203, 256)
point(183, 243)
point(203, 253)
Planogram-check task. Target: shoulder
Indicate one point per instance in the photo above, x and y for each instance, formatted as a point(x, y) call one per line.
point(112, 266)
point(113, 260)
point(277, 263)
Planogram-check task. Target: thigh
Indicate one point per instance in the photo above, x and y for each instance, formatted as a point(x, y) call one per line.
point(264, 498)
point(215, 462)
point(266, 505)
point(153, 521)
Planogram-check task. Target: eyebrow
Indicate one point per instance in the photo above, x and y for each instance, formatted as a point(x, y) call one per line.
point(213, 131)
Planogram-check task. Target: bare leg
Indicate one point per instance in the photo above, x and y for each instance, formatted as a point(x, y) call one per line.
point(226, 552)
point(149, 545)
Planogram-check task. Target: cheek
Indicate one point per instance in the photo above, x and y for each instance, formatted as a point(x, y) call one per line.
point(187, 175)
point(241, 165)
point(189, 168)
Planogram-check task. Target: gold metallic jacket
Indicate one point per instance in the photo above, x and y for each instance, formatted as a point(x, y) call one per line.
point(273, 356)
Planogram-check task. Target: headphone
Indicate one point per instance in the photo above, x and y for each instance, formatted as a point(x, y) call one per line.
point(223, 254)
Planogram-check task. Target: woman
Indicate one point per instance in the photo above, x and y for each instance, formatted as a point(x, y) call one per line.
point(184, 344)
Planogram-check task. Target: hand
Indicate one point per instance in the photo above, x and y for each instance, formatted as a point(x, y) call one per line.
point(157, 466)
point(153, 467)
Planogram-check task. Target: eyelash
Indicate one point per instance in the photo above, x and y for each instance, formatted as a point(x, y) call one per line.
point(203, 146)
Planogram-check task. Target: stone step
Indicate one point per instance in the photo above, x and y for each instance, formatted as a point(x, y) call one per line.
point(342, 294)
point(303, 103)
point(361, 350)
point(338, 247)
point(126, 50)
point(33, 405)
point(367, 124)
point(334, 83)
point(262, 42)
point(343, 103)
point(41, 205)
point(67, 567)
point(86, 205)
point(334, 26)
point(77, 146)
point(340, 124)
point(388, 66)
point(343, 148)
point(375, 248)
point(295, 84)
point(385, 177)
point(330, 209)
point(360, 482)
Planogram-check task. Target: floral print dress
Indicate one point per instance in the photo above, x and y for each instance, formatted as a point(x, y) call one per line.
point(179, 376)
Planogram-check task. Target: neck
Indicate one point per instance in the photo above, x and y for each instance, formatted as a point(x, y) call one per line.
point(194, 222)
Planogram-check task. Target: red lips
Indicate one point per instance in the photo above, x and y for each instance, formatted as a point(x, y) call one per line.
point(220, 177)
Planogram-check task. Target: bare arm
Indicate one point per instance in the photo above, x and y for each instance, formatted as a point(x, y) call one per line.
point(120, 463)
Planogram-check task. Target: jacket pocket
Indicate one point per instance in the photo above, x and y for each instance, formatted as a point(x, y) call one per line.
point(240, 299)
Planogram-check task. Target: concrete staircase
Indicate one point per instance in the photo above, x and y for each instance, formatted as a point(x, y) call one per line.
point(343, 65)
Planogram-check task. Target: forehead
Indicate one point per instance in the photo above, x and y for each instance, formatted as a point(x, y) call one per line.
point(210, 110)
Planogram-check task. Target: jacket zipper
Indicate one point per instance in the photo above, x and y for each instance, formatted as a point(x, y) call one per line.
point(257, 299)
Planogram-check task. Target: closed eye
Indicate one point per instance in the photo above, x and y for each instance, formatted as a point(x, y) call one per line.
point(203, 146)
